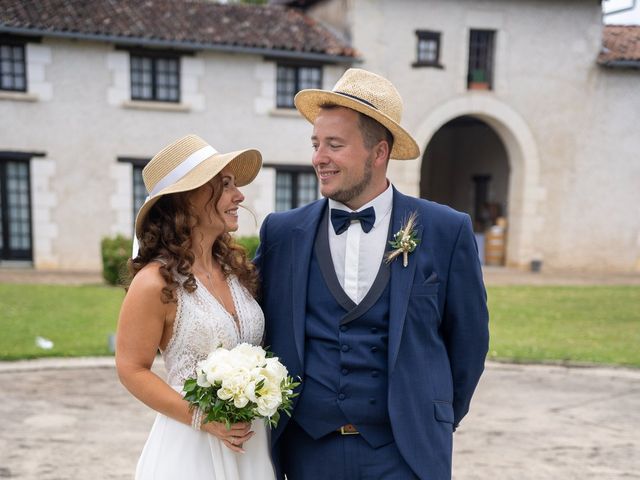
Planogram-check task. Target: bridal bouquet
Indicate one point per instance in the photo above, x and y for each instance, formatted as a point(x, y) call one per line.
point(239, 385)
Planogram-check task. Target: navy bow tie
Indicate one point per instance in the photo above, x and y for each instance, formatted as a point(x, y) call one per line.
point(341, 219)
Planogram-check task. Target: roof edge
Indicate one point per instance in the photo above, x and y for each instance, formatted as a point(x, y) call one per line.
point(150, 42)
point(620, 63)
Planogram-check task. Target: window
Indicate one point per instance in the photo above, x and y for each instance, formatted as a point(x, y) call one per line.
point(155, 77)
point(15, 210)
point(291, 79)
point(13, 72)
point(481, 46)
point(139, 190)
point(295, 186)
point(428, 49)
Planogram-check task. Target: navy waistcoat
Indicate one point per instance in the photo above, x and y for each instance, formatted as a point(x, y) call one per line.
point(345, 353)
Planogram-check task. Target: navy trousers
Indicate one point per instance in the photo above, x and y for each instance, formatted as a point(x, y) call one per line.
point(336, 457)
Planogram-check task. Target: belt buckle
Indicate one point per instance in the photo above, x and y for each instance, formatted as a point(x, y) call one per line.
point(346, 432)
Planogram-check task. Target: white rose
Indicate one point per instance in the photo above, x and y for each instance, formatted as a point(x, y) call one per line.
point(233, 387)
point(217, 366)
point(268, 403)
point(249, 355)
point(275, 370)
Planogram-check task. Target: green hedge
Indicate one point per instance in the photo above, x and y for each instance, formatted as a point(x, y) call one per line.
point(117, 250)
point(250, 244)
point(115, 253)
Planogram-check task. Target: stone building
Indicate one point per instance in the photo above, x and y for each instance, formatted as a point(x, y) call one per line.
point(525, 112)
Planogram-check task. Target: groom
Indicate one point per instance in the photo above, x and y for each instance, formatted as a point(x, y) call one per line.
point(389, 350)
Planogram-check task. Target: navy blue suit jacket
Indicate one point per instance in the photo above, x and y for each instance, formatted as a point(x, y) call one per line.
point(438, 323)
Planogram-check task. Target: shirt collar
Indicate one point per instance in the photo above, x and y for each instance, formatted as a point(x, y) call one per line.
point(381, 204)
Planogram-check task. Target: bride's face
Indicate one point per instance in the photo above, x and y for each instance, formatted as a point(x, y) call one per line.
point(221, 216)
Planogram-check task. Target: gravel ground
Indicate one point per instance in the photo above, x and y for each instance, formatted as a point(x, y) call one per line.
point(71, 419)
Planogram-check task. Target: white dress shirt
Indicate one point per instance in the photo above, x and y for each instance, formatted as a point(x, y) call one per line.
point(357, 255)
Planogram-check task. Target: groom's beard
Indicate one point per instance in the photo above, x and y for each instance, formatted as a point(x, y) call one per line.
point(345, 196)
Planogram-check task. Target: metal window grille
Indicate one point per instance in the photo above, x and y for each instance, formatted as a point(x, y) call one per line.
point(15, 211)
point(291, 79)
point(481, 53)
point(295, 189)
point(155, 78)
point(13, 72)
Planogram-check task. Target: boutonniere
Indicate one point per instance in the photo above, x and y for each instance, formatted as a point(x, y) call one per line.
point(404, 241)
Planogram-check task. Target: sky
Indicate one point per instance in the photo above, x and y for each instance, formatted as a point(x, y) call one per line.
point(625, 18)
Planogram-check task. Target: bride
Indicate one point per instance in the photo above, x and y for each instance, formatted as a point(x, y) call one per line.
point(192, 290)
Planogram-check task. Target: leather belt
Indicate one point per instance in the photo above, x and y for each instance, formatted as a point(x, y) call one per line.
point(348, 429)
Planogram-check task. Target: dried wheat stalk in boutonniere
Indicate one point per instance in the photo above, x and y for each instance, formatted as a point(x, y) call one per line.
point(404, 241)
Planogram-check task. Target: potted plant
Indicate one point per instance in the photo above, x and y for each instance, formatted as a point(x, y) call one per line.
point(478, 80)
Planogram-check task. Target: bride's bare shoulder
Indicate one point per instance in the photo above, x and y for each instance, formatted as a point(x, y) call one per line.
point(148, 280)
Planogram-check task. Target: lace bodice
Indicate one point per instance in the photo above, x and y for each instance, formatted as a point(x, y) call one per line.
point(202, 324)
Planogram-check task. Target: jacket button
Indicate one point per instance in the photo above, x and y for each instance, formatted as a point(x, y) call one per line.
point(372, 401)
point(375, 373)
point(342, 396)
point(343, 328)
point(374, 330)
point(345, 348)
point(345, 371)
point(374, 349)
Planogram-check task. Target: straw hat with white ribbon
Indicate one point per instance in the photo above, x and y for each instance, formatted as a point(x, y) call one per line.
point(189, 163)
point(369, 94)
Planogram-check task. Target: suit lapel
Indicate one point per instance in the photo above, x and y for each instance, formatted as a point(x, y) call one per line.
point(302, 241)
point(401, 277)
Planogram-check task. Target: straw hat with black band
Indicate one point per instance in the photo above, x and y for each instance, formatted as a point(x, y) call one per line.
point(369, 94)
point(189, 163)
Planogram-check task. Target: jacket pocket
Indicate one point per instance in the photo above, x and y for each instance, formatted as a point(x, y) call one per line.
point(443, 411)
point(425, 288)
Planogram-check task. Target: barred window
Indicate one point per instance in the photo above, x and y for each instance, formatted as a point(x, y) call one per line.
point(481, 53)
point(293, 78)
point(155, 78)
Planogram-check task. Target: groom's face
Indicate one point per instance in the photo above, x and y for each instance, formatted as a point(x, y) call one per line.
point(342, 162)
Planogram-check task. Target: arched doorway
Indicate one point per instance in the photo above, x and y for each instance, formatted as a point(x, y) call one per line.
point(466, 166)
point(525, 192)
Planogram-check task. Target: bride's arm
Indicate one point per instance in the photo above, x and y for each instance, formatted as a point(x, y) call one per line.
point(143, 323)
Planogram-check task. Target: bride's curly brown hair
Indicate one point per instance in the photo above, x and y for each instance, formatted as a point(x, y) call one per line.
point(167, 237)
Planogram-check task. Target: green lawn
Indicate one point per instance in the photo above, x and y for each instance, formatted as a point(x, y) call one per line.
point(594, 324)
point(78, 319)
point(528, 324)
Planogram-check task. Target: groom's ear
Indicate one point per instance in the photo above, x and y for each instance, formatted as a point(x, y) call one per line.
point(381, 152)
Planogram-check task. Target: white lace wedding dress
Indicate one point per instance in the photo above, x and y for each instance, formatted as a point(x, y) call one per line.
point(175, 450)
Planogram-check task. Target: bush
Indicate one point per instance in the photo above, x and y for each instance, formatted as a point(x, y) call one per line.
point(115, 253)
point(250, 244)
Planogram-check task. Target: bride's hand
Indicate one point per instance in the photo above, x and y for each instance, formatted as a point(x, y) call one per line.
point(233, 438)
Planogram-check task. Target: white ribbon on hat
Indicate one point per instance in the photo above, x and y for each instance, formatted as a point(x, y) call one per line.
point(191, 162)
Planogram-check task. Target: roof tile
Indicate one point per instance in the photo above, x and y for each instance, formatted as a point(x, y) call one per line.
point(186, 21)
point(621, 43)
